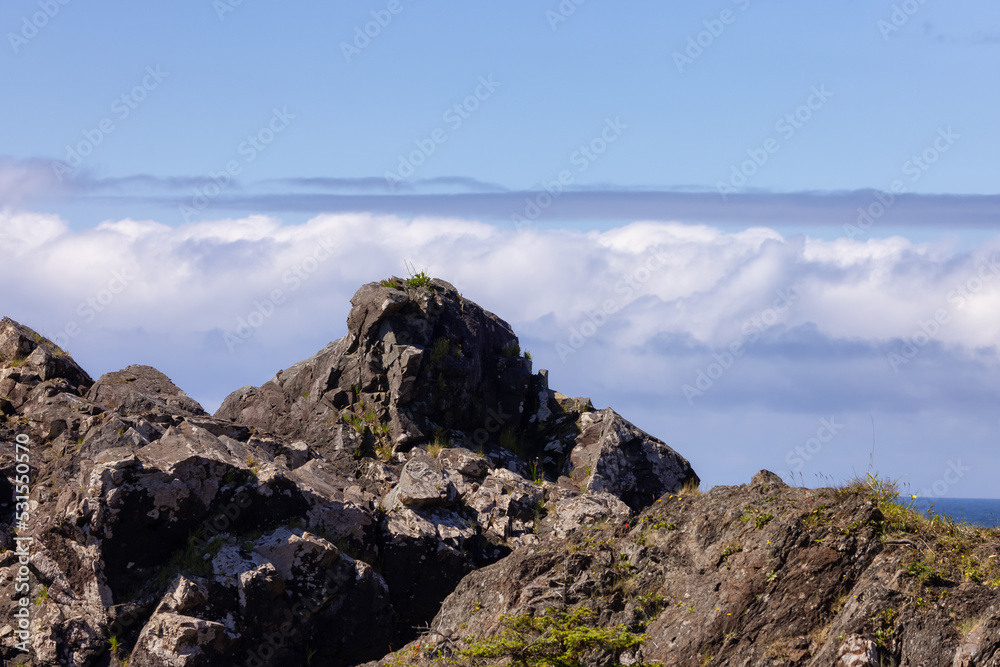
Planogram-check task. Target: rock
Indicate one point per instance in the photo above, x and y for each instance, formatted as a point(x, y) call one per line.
point(413, 359)
point(23, 348)
point(175, 640)
point(423, 483)
point(505, 504)
point(245, 537)
point(464, 462)
point(767, 482)
point(583, 510)
point(749, 577)
point(141, 390)
point(857, 651)
point(611, 455)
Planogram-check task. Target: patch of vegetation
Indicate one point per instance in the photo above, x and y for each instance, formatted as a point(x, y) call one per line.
point(536, 472)
point(435, 448)
point(649, 606)
point(440, 351)
point(195, 558)
point(512, 350)
point(355, 422)
point(691, 488)
point(253, 465)
point(757, 515)
point(420, 279)
point(43, 595)
point(947, 551)
point(509, 440)
point(966, 627)
point(555, 639)
point(731, 549)
point(882, 627)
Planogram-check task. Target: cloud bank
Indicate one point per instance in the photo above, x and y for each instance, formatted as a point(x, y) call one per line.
point(732, 346)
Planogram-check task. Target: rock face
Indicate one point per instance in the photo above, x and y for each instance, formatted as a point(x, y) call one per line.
point(760, 574)
point(318, 519)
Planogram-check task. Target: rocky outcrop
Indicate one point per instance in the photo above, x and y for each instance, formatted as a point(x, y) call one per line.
point(318, 519)
point(761, 574)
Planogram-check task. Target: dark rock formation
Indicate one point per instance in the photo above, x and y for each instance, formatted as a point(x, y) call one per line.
point(322, 517)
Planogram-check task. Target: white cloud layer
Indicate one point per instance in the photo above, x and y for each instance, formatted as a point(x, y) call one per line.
point(631, 315)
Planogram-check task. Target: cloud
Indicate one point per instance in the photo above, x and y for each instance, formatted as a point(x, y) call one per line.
point(758, 322)
point(33, 181)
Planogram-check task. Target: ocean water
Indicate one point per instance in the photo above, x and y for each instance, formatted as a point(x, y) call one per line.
point(979, 511)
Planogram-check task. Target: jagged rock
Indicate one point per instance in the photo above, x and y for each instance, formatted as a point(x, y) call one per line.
point(245, 537)
point(857, 651)
point(422, 483)
point(32, 356)
point(414, 359)
point(614, 456)
point(145, 391)
point(464, 462)
point(576, 510)
point(506, 504)
point(757, 575)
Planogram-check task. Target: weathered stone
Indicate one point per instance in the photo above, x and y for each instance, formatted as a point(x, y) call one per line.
point(614, 456)
point(423, 483)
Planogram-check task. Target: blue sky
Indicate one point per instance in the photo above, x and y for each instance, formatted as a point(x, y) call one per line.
point(537, 156)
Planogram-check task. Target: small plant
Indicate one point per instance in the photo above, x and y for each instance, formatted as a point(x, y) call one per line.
point(43, 595)
point(114, 644)
point(435, 447)
point(355, 422)
point(509, 440)
point(691, 487)
point(420, 279)
point(512, 350)
point(760, 518)
point(537, 474)
point(731, 550)
point(883, 626)
point(384, 452)
point(771, 576)
point(968, 625)
point(527, 355)
point(440, 351)
point(305, 394)
point(650, 605)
